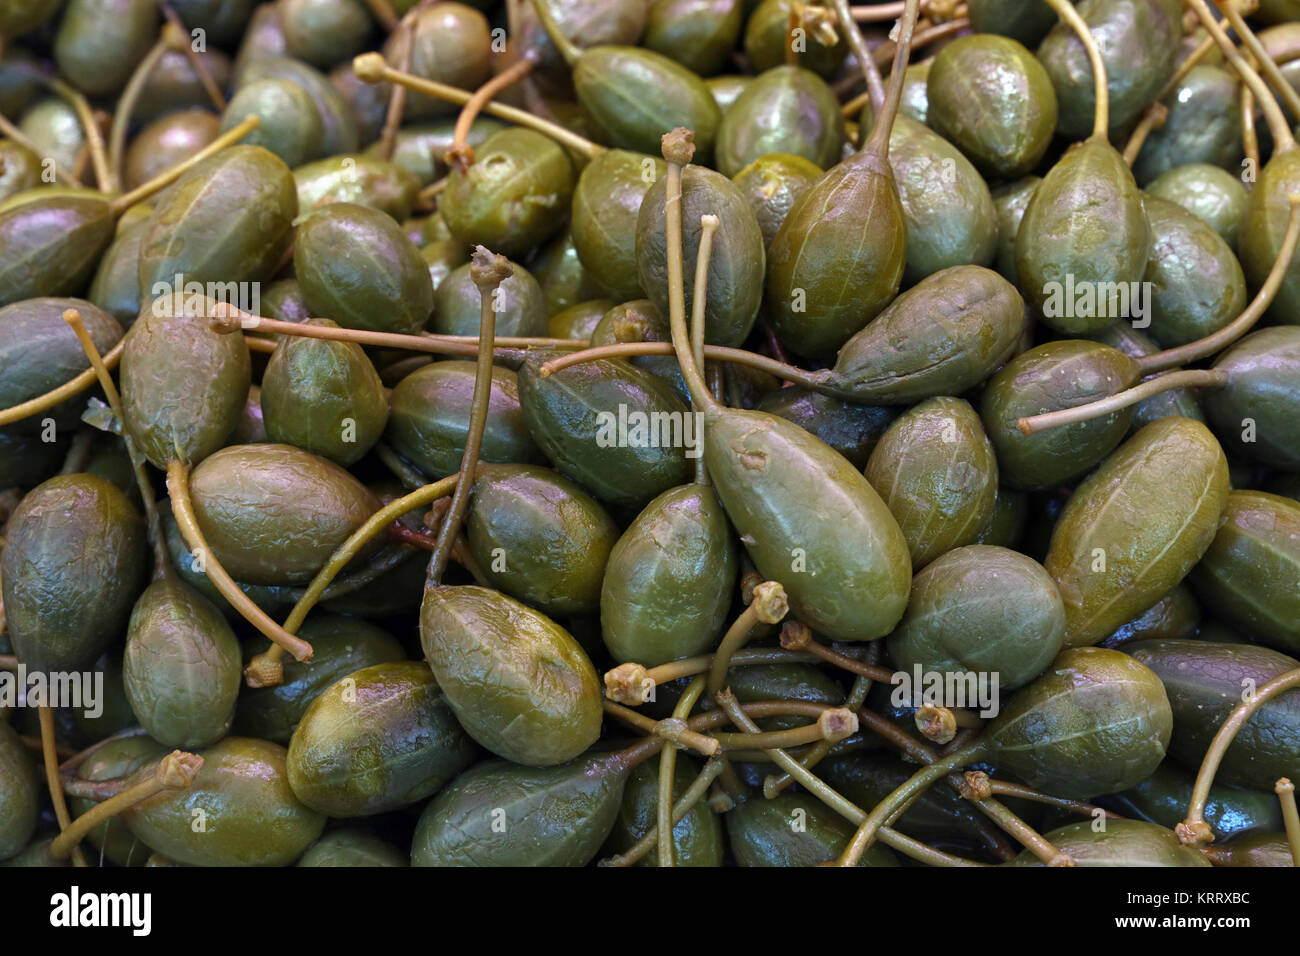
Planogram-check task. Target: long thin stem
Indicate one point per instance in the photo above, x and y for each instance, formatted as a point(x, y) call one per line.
point(94, 138)
point(1189, 63)
point(22, 139)
point(768, 607)
point(1272, 73)
point(675, 731)
point(708, 226)
point(45, 714)
point(1249, 136)
point(1285, 791)
point(1216, 341)
point(166, 178)
point(1153, 118)
point(667, 773)
point(403, 49)
point(716, 353)
point(487, 271)
point(1277, 124)
point(1030, 838)
point(1194, 830)
point(632, 683)
point(127, 102)
point(699, 786)
point(178, 487)
point(1101, 117)
point(196, 62)
point(1193, 378)
point(74, 386)
point(883, 53)
point(176, 771)
point(460, 154)
point(866, 62)
point(371, 68)
point(878, 142)
point(568, 49)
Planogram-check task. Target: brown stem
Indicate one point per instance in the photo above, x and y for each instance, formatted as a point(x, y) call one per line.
point(164, 179)
point(196, 62)
point(94, 138)
point(866, 62)
point(460, 155)
point(1153, 118)
point(1101, 116)
point(1249, 137)
point(130, 96)
point(45, 713)
point(22, 139)
point(74, 386)
point(883, 53)
point(1112, 403)
point(878, 142)
point(1271, 72)
point(1285, 791)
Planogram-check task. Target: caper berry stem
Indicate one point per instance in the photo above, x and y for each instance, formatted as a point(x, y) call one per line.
point(1277, 124)
point(667, 772)
point(768, 607)
point(1285, 791)
point(460, 154)
point(708, 226)
point(22, 139)
point(1028, 837)
point(793, 19)
point(176, 771)
point(798, 637)
point(164, 179)
point(882, 54)
point(8, 662)
point(568, 49)
point(719, 353)
point(1192, 60)
point(866, 62)
point(1230, 333)
point(1070, 16)
point(1194, 831)
point(73, 386)
point(693, 794)
point(1249, 136)
point(153, 523)
point(178, 487)
point(404, 49)
point(200, 68)
point(877, 143)
point(1277, 82)
point(45, 714)
point(1193, 378)
point(94, 138)
point(631, 683)
point(487, 271)
point(831, 730)
point(169, 40)
point(1153, 118)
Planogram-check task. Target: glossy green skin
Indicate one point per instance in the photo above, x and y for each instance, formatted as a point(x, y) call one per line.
point(915, 103)
point(766, 38)
point(430, 419)
point(173, 84)
point(936, 471)
point(1025, 20)
point(420, 148)
point(453, 46)
point(943, 336)
point(513, 197)
point(1126, 843)
point(350, 847)
point(1178, 401)
point(585, 23)
point(182, 666)
point(1056, 375)
point(540, 538)
point(341, 645)
point(737, 262)
point(698, 34)
point(785, 110)
point(844, 244)
point(251, 816)
point(670, 578)
point(39, 352)
point(1152, 510)
point(338, 124)
point(20, 796)
point(99, 42)
point(1096, 723)
point(54, 129)
point(1215, 195)
point(1175, 616)
point(290, 123)
point(852, 430)
point(229, 219)
point(23, 16)
point(275, 600)
point(606, 202)
point(20, 168)
point(561, 274)
point(273, 514)
point(632, 96)
point(167, 141)
point(809, 520)
point(114, 760)
point(1163, 797)
point(946, 204)
point(994, 101)
point(50, 246)
point(1267, 211)
point(379, 739)
point(1250, 576)
point(324, 32)
point(578, 321)
point(552, 816)
point(354, 178)
point(443, 257)
point(793, 830)
point(564, 415)
point(1254, 849)
point(37, 853)
point(771, 184)
point(184, 386)
point(313, 389)
point(640, 321)
point(518, 682)
point(727, 89)
point(1007, 526)
point(1009, 202)
point(697, 837)
point(357, 267)
point(1085, 219)
point(1262, 388)
point(1139, 42)
point(1203, 126)
point(73, 562)
point(984, 609)
point(1205, 682)
point(519, 307)
point(1197, 286)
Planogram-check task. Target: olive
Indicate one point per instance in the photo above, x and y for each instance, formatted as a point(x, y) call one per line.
point(1203, 125)
point(338, 125)
point(785, 110)
point(451, 45)
point(698, 34)
point(273, 514)
point(1253, 849)
point(443, 256)
point(766, 38)
point(1179, 401)
point(114, 760)
point(1216, 196)
point(772, 184)
point(1006, 528)
point(1260, 239)
point(52, 125)
point(1205, 683)
point(994, 101)
point(519, 684)
point(430, 412)
point(578, 321)
point(1175, 616)
point(519, 304)
point(606, 203)
point(182, 666)
point(174, 85)
point(349, 847)
point(324, 32)
point(1127, 843)
point(359, 180)
point(1254, 413)
point(340, 646)
point(1009, 202)
point(50, 242)
point(697, 837)
point(20, 82)
point(99, 42)
point(222, 20)
point(249, 814)
point(793, 830)
point(558, 269)
point(916, 95)
point(586, 23)
point(727, 89)
point(290, 123)
point(1110, 569)
point(378, 739)
point(936, 471)
point(25, 460)
point(19, 793)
